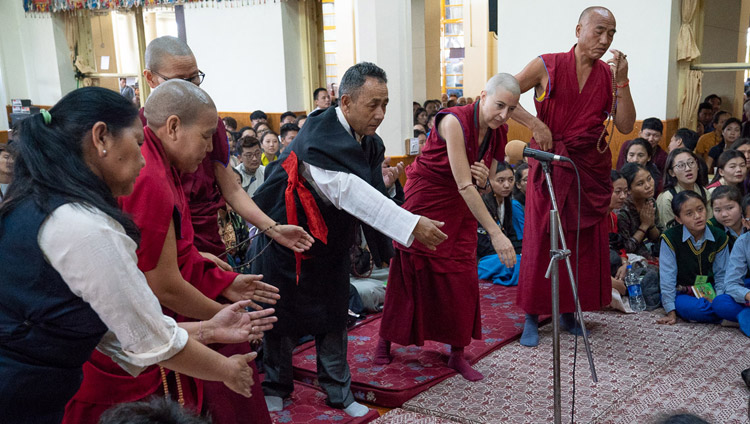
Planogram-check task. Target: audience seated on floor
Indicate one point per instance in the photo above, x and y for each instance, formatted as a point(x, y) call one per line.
point(251, 171)
point(726, 204)
point(732, 302)
point(730, 132)
point(257, 117)
point(230, 123)
point(300, 121)
point(247, 131)
point(420, 117)
point(711, 138)
point(235, 233)
point(269, 143)
point(640, 151)
point(682, 172)
point(521, 175)
point(7, 153)
point(422, 137)
point(287, 117)
point(261, 128)
point(287, 134)
point(651, 131)
point(731, 170)
point(636, 219)
point(692, 252)
point(683, 137)
point(321, 98)
point(618, 260)
point(705, 117)
point(508, 213)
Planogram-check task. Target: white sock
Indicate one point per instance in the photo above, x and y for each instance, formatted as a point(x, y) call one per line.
point(355, 410)
point(274, 403)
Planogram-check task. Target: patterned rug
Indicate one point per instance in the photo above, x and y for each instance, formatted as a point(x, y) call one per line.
point(308, 405)
point(415, 369)
point(643, 369)
point(400, 416)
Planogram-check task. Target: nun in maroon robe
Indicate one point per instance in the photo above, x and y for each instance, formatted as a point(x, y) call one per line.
point(434, 294)
point(158, 200)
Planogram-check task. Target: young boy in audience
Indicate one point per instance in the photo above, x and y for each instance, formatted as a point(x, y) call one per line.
point(701, 251)
point(732, 303)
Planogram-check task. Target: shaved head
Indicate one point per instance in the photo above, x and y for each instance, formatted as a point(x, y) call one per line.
point(594, 9)
point(177, 97)
point(159, 50)
point(506, 81)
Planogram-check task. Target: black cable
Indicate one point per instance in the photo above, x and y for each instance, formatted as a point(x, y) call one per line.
point(575, 343)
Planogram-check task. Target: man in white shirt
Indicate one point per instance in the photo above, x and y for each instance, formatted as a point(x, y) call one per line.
point(329, 178)
point(251, 170)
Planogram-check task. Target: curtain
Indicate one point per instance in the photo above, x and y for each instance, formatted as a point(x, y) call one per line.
point(686, 48)
point(80, 42)
point(687, 51)
point(691, 97)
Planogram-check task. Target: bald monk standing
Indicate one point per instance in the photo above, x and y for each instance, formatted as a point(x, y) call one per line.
point(573, 94)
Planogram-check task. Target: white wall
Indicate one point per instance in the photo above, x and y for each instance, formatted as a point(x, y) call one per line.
point(290, 18)
point(419, 80)
point(35, 62)
point(644, 32)
point(241, 50)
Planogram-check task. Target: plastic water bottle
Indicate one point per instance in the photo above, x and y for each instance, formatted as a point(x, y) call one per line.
point(633, 283)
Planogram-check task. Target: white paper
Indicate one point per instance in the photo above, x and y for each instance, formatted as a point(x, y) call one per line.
point(414, 146)
point(105, 63)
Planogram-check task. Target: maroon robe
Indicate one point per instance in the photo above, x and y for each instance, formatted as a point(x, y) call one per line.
point(434, 295)
point(576, 121)
point(157, 200)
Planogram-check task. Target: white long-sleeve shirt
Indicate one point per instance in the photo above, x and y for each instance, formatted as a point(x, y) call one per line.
point(349, 192)
point(97, 260)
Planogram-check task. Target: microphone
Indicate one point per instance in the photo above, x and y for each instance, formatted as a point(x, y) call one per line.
point(515, 150)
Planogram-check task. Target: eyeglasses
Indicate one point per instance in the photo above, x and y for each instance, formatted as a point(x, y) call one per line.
point(251, 155)
point(196, 79)
point(684, 165)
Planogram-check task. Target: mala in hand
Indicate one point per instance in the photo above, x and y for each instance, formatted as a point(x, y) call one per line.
point(612, 112)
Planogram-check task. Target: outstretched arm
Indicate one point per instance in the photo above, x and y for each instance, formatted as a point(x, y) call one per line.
point(290, 236)
point(450, 129)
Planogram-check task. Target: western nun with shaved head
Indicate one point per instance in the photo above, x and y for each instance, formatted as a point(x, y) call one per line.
point(433, 293)
point(181, 122)
point(574, 93)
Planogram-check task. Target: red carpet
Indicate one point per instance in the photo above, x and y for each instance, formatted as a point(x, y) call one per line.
point(415, 369)
point(308, 405)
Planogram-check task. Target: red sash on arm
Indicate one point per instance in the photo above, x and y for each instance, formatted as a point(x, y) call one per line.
point(296, 183)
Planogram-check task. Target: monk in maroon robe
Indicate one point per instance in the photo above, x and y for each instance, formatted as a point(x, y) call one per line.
point(167, 255)
point(433, 294)
point(206, 191)
point(573, 97)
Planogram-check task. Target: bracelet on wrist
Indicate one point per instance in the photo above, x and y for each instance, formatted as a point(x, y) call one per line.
point(270, 226)
point(627, 83)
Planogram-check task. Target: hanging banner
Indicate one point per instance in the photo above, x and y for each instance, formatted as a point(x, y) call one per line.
point(53, 6)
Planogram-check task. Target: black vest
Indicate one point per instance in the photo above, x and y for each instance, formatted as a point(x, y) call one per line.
point(692, 262)
point(46, 331)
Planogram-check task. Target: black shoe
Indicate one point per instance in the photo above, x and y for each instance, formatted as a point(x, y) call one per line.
point(746, 377)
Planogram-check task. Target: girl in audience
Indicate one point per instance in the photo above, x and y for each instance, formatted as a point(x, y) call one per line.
point(702, 253)
point(640, 151)
point(420, 117)
point(69, 272)
point(636, 219)
point(731, 170)
point(684, 137)
point(270, 145)
point(682, 171)
point(509, 215)
point(726, 203)
point(618, 259)
point(734, 297)
point(729, 133)
point(521, 176)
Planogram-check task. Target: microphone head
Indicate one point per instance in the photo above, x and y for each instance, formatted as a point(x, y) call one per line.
point(514, 151)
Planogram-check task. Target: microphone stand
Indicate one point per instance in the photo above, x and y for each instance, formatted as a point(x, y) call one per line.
point(556, 231)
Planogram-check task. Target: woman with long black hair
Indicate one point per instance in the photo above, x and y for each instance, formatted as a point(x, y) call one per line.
point(70, 282)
